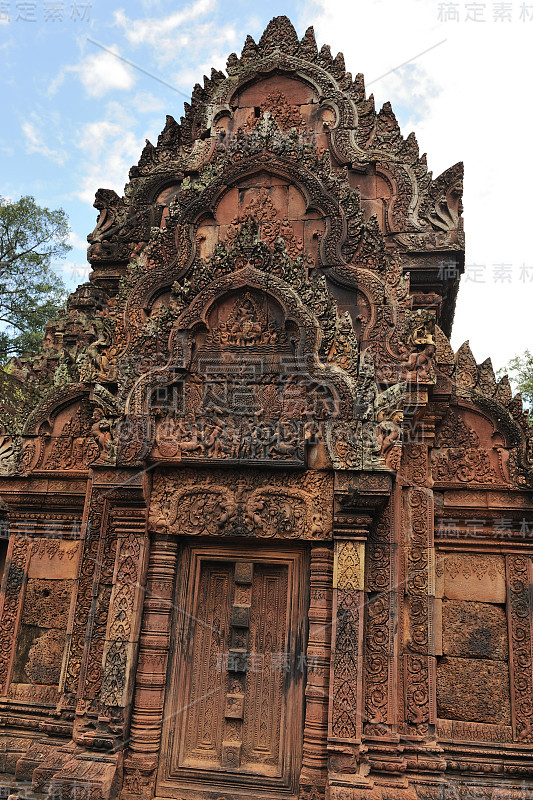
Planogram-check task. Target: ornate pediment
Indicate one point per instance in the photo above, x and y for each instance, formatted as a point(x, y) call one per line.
point(268, 282)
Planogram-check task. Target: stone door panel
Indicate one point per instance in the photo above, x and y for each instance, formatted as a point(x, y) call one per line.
point(234, 711)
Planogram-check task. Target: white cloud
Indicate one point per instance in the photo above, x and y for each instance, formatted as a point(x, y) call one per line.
point(193, 38)
point(78, 242)
point(35, 143)
point(465, 100)
point(145, 102)
point(103, 72)
point(100, 72)
point(152, 30)
point(109, 147)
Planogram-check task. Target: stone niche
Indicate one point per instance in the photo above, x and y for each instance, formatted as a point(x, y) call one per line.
point(472, 642)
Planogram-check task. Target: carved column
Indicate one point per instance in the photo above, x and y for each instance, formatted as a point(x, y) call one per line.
point(147, 716)
point(314, 764)
point(358, 498)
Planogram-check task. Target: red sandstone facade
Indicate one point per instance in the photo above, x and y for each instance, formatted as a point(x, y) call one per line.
point(268, 536)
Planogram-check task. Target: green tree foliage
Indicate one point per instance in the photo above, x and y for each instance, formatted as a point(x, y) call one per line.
point(520, 371)
point(30, 292)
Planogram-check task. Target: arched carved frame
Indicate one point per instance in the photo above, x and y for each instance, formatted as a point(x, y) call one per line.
point(207, 202)
point(196, 315)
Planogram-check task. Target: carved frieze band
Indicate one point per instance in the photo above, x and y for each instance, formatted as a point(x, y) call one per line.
point(348, 605)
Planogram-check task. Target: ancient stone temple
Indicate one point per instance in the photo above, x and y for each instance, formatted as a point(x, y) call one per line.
point(266, 536)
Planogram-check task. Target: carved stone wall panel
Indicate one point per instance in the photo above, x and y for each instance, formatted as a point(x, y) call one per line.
point(474, 690)
point(34, 643)
point(467, 451)
point(42, 633)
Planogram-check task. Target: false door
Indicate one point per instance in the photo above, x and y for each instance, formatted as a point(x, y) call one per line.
point(234, 709)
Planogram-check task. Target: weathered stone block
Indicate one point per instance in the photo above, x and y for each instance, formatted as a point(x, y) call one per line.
point(473, 689)
point(474, 630)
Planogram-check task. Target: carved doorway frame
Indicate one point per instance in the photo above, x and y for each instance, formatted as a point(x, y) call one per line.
point(184, 781)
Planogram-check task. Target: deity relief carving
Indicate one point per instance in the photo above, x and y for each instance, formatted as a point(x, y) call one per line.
point(419, 340)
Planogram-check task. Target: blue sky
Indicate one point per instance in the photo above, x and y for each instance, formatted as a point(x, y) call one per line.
point(75, 117)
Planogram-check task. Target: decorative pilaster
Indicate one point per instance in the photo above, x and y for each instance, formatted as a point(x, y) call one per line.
point(380, 680)
point(359, 497)
point(11, 605)
point(418, 660)
point(347, 637)
point(314, 764)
